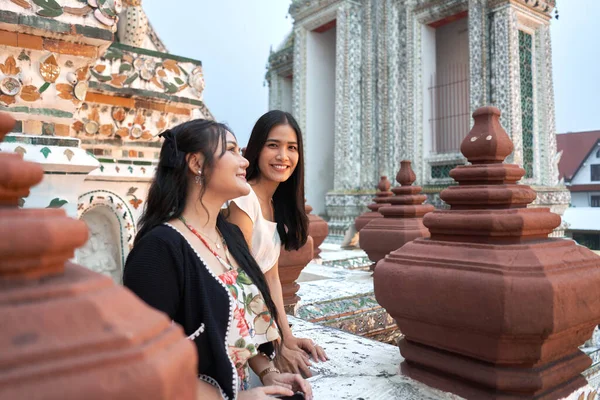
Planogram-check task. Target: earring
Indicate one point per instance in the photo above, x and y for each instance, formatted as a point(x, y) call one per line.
point(198, 178)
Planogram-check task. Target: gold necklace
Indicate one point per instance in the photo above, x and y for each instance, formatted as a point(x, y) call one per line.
point(218, 245)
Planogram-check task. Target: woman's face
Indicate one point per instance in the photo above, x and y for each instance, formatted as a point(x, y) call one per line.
point(228, 177)
point(279, 156)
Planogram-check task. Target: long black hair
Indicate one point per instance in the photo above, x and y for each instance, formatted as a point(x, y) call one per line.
point(169, 189)
point(288, 199)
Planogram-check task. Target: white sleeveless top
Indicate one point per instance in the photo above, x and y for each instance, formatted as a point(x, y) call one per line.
point(266, 244)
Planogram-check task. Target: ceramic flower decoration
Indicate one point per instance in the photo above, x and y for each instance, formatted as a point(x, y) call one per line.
point(106, 11)
point(49, 69)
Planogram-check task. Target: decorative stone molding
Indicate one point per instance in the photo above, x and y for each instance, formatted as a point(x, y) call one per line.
point(124, 170)
point(282, 61)
point(542, 7)
point(478, 54)
point(348, 144)
point(118, 206)
point(301, 9)
point(65, 167)
point(146, 71)
point(428, 11)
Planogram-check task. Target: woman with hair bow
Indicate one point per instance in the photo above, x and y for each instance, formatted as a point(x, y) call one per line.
point(190, 263)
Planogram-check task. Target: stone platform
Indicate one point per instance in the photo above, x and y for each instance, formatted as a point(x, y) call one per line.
point(336, 290)
point(363, 369)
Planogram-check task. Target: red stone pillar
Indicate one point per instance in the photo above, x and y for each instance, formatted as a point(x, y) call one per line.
point(381, 198)
point(402, 218)
point(491, 308)
point(291, 264)
point(67, 332)
point(317, 228)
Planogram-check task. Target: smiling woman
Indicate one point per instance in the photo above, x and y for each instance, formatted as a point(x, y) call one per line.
point(273, 214)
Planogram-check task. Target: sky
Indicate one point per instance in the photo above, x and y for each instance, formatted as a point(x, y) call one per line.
point(232, 38)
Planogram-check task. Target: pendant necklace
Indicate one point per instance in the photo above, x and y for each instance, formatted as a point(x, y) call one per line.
point(227, 264)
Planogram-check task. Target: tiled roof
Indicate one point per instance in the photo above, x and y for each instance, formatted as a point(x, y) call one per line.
point(575, 147)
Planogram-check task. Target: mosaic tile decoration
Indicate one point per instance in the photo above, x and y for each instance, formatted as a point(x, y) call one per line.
point(527, 115)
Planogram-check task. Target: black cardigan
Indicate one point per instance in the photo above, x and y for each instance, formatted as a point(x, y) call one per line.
point(166, 272)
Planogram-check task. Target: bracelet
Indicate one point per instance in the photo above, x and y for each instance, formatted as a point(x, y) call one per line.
point(267, 371)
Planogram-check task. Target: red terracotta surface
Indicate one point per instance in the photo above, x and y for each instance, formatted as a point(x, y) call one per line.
point(67, 332)
point(491, 308)
point(317, 228)
point(402, 219)
point(291, 264)
point(381, 198)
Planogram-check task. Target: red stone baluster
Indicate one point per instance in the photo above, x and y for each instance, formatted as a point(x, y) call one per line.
point(491, 308)
point(317, 228)
point(67, 332)
point(381, 198)
point(402, 218)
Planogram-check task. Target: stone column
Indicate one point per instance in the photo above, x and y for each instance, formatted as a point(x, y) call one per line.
point(274, 82)
point(348, 99)
point(478, 53)
point(505, 90)
point(548, 171)
point(299, 95)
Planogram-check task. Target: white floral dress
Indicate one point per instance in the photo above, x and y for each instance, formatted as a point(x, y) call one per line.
point(251, 323)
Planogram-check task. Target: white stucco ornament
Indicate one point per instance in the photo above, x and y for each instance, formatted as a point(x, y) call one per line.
point(106, 11)
point(196, 80)
point(136, 131)
point(72, 78)
point(91, 127)
point(10, 86)
point(133, 24)
point(80, 90)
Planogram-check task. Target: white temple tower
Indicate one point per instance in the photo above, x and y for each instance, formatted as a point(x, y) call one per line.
point(373, 82)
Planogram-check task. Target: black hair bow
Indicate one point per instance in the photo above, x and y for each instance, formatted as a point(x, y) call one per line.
point(171, 157)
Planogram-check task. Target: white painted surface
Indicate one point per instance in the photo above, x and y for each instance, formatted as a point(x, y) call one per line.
point(582, 218)
point(320, 117)
point(584, 175)
point(428, 41)
point(582, 199)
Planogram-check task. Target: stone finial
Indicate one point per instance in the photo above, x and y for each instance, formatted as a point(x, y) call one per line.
point(487, 142)
point(402, 218)
point(51, 309)
point(489, 305)
point(317, 228)
point(381, 196)
point(384, 184)
point(406, 176)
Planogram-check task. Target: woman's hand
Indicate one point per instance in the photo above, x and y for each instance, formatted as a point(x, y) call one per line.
point(264, 393)
point(289, 381)
point(316, 352)
point(293, 359)
point(293, 355)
